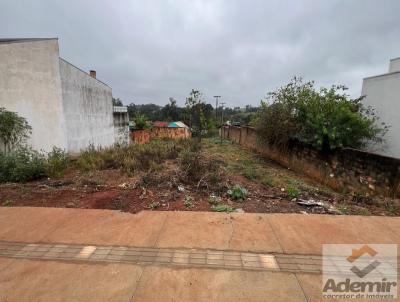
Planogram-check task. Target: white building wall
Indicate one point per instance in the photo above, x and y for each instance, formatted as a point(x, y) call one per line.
point(394, 65)
point(30, 85)
point(88, 109)
point(121, 125)
point(383, 94)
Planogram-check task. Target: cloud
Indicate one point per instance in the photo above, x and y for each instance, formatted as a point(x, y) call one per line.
point(151, 50)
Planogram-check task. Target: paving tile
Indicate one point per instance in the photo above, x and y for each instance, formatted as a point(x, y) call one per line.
point(28, 280)
point(199, 284)
point(198, 261)
point(106, 227)
point(305, 234)
point(200, 231)
point(233, 263)
point(25, 224)
point(253, 232)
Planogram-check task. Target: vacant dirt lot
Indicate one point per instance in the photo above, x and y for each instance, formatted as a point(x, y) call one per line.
point(266, 188)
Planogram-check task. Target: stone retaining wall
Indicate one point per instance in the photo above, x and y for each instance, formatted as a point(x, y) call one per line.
point(346, 170)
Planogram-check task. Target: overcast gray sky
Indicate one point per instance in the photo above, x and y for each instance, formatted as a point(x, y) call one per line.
point(149, 50)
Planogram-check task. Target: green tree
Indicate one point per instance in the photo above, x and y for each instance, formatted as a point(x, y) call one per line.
point(325, 119)
point(117, 102)
point(14, 129)
point(195, 114)
point(171, 112)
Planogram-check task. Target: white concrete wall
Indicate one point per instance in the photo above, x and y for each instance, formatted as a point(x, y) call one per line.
point(88, 109)
point(383, 94)
point(394, 65)
point(121, 125)
point(30, 85)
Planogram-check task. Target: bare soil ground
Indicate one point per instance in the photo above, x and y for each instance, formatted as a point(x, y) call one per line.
point(270, 188)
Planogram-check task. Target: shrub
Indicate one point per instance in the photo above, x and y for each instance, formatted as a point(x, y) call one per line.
point(140, 122)
point(326, 119)
point(21, 165)
point(90, 159)
point(237, 193)
point(57, 162)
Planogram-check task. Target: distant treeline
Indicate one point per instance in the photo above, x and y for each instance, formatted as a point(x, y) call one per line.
point(173, 112)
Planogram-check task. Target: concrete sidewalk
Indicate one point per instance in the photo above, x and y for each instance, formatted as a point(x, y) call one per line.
point(46, 233)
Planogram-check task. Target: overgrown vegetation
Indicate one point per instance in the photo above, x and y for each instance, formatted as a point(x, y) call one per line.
point(131, 158)
point(325, 119)
point(25, 164)
point(20, 163)
point(141, 122)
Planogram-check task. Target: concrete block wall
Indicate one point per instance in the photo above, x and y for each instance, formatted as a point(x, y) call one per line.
point(121, 125)
point(30, 85)
point(394, 65)
point(88, 109)
point(346, 170)
point(383, 94)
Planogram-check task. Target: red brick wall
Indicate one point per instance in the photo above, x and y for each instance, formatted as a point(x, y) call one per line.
point(144, 136)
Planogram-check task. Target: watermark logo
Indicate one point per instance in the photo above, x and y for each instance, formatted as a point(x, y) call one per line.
point(353, 271)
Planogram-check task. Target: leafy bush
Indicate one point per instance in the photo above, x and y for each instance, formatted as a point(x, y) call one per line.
point(237, 193)
point(25, 164)
point(57, 162)
point(22, 165)
point(14, 130)
point(222, 208)
point(90, 159)
point(140, 122)
point(326, 119)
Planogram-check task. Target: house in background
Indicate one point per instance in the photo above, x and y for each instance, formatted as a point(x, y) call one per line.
point(382, 92)
point(178, 125)
point(160, 124)
point(66, 107)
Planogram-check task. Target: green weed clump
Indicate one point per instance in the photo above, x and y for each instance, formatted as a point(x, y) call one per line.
point(188, 202)
point(26, 164)
point(222, 208)
point(57, 162)
point(250, 173)
point(293, 192)
point(237, 193)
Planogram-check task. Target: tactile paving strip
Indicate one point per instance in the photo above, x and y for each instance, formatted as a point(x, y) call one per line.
point(166, 256)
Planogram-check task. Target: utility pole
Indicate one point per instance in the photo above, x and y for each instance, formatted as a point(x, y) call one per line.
point(216, 106)
point(222, 118)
